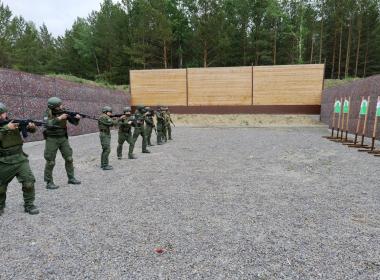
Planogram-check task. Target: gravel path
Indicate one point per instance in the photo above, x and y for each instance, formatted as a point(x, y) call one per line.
point(222, 204)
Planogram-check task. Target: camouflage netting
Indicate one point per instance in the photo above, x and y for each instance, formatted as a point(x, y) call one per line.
point(26, 96)
point(366, 87)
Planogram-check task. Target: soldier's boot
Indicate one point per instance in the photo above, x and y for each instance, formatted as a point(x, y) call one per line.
point(74, 181)
point(51, 186)
point(29, 196)
point(131, 156)
point(119, 151)
point(3, 197)
point(107, 167)
point(146, 151)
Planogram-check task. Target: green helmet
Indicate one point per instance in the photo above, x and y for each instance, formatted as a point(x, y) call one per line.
point(54, 102)
point(148, 109)
point(107, 109)
point(140, 107)
point(127, 110)
point(3, 108)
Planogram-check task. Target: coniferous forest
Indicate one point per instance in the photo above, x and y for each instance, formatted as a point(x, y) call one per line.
point(146, 34)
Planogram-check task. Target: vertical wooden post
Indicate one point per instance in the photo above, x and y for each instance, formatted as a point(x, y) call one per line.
point(252, 85)
point(333, 123)
point(187, 87)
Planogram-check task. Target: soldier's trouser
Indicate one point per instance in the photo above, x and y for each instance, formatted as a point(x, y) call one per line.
point(105, 141)
point(52, 144)
point(123, 136)
point(160, 133)
point(169, 130)
point(136, 133)
point(164, 132)
point(24, 175)
point(148, 133)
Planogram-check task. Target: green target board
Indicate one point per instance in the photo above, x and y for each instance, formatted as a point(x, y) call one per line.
point(346, 106)
point(337, 106)
point(378, 109)
point(364, 107)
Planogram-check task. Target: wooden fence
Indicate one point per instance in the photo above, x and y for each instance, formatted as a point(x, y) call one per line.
point(262, 89)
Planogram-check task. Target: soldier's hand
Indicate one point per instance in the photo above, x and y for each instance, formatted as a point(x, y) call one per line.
point(123, 117)
point(130, 122)
point(78, 117)
point(31, 125)
point(12, 126)
point(63, 117)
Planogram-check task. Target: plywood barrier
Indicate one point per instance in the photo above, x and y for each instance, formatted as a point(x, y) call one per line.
point(220, 86)
point(262, 89)
point(288, 85)
point(154, 87)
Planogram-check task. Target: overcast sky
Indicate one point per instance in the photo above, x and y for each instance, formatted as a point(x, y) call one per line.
point(58, 15)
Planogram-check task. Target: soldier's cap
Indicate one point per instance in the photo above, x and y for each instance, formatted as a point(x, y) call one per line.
point(3, 108)
point(127, 110)
point(54, 102)
point(107, 109)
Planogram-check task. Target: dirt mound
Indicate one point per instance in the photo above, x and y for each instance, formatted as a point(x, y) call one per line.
point(247, 120)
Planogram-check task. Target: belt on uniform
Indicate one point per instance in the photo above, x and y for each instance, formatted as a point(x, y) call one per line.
point(11, 153)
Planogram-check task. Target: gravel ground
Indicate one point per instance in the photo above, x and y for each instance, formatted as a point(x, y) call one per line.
point(233, 203)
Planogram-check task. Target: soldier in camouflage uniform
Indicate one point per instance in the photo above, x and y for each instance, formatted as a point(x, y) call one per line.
point(105, 123)
point(168, 122)
point(138, 120)
point(160, 125)
point(125, 131)
point(149, 125)
point(14, 163)
point(164, 128)
point(57, 138)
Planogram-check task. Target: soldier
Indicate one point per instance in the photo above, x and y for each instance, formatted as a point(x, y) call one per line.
point(138, 122)
point(160, 125)
point(14, 163)
point(57, 138)
point(149, 125)
point(125, 131)
point(168, 124)
point(105, 123)
point(164, 130)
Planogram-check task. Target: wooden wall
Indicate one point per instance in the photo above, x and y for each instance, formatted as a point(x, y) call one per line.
point(155, 87)
point(220, 86)
point(289, 85)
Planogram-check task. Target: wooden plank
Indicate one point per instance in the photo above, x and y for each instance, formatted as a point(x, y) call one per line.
point(288, 84)
point(220, 86)
point(155, 87)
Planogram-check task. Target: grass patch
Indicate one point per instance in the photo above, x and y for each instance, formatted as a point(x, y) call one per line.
point(331, 83)
point(75, 79)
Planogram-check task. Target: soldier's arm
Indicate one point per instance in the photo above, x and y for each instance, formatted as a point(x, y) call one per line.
point(50, 119)
point(31, 128)
point(107, 121)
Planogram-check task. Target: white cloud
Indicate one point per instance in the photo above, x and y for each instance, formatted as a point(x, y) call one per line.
point(58, 15)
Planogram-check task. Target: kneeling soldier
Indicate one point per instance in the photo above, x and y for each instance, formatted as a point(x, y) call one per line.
point(125, 131)
point(57, 138)
point(14, 163)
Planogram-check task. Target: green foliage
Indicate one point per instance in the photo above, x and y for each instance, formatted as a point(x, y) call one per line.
point(145, 34)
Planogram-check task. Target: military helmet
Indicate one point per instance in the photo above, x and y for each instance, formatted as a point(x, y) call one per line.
point(140, 107)
point(148, 108)
point(127, 110)
point(54, 102)
point(107, 109)
point(3, 108)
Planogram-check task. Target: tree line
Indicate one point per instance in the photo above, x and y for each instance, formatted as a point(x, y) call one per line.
point(145, 34)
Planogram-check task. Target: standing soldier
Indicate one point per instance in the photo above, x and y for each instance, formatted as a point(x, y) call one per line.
point(125, 131)
point(164, 130)
point(168, 123)
point(14, 163)
point(138, 122)
point(149, 125)
point(57, 138)
point(105, 123)
point(160, 125)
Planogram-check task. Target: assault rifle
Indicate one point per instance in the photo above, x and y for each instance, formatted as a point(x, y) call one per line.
point(72, 115)
point(117, 116)
point(23, 124)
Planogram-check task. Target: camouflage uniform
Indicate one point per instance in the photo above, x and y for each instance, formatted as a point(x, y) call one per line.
point(168, 122)
point(160, 126)
point(57, 138)
point(149, 125)
point(105, 123)
point(138, 120)
point(125, 132)
point(14, 163)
